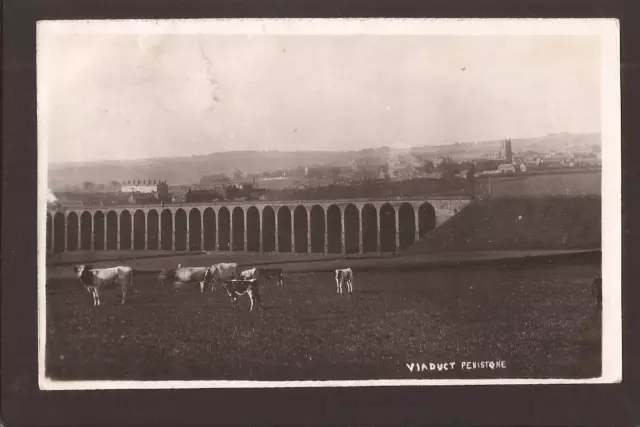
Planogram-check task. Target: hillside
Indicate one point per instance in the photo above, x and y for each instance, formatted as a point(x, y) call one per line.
point(518, 224)
point(189, 170)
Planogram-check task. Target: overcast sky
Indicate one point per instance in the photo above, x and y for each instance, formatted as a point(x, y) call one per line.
point(127, 96)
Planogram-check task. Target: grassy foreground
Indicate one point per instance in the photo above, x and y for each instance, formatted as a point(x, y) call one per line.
point(539, 320)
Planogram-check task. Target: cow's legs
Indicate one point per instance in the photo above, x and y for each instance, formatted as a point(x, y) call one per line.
point(350, 286)
point(96, 294)
point(201, 286)
point(124, 295)
point(254, 297)
point(338, 286)
point(95, 300)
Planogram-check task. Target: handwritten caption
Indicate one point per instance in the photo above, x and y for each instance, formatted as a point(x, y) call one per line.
point(453, 366)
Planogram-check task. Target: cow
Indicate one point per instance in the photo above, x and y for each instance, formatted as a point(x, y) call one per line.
point(267, 273)
point(94, 279)
point(344, 275)
point(181, 275)
point(221, 273)
point(596, 291)
point(236, 287)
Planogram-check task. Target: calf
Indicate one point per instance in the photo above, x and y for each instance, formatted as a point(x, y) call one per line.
point(235, 287)
point(266, 273)
point(596, 291)
point(222, 272)
point(181, 275)
point(344, 275)
point(94, 279)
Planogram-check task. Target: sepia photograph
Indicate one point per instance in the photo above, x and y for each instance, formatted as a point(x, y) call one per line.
point(328, 202)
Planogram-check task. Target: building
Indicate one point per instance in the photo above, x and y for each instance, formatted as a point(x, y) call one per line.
point(140, 186)
point(506, 167)
point(505, 151)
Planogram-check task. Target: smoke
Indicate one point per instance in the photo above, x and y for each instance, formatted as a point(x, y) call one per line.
point(51, 198)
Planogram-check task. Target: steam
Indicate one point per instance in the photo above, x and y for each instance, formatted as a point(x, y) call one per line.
point(51, 198)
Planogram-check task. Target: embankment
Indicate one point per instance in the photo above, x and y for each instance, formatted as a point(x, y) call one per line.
point(544, 223)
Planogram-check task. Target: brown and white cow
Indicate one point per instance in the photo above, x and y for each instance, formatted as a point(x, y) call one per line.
point(182, 275)
point(344, 276)
point(221, 273)
point(251, 287)
point(267, 273)
point(95, 279)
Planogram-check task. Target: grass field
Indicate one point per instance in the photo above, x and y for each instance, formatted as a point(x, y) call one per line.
point(540, 320)
point(542, 184)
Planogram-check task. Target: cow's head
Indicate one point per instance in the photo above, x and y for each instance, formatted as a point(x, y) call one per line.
point(278, 276)
point(83, 273)
point(166, 275)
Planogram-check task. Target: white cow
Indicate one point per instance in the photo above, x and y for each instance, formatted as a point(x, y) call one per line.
point(221, 273)
point(181, 275)
point(344, 275)
point(94, 279)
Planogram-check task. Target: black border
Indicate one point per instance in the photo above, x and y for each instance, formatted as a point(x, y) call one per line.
point(24, 404)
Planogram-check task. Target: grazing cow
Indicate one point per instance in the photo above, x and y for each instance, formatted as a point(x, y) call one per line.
point(596, 291)
point(181, 275)
point(266, 273)
point(344, 275)
point(235, 287)
point(221, 273)
point(94, 279)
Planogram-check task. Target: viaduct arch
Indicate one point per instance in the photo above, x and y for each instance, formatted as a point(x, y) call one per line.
point(340, 227)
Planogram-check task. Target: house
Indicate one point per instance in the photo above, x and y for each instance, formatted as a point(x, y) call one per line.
point(506, 167)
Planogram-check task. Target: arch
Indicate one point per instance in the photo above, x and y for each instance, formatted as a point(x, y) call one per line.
point(125, 230)
point(139, 230)
point(72, 231)
point(407, 225)
point(284, 229)
point(334, 229)
point(152, 230)
point(98, 231)
point(387, 228)
point(253, 229)
point(369, 229)
point(112, 230)
point(317, 229)
point(238, 229)
point(181, 230)
point(301, 230)
point(351, 229)
point(209, 228)
point(85, 231)
point(195, 230)
point(224, 229)
point(268, 229)
point(49, 232)
point(166, 236)
point(58, 232)
point(426, 219)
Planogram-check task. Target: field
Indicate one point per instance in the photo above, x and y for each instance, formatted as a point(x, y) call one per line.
point(539, 319)
point(560, 182)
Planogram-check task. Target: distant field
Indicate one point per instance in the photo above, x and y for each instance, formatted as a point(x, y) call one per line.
point(581, 183)
point(540, 320)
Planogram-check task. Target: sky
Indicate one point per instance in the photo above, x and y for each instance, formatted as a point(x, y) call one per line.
point(128, 96)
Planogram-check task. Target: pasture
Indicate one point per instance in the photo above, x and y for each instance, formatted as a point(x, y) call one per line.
point(540, 320)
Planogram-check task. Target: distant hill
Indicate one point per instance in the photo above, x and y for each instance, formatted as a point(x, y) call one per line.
point(189, 170)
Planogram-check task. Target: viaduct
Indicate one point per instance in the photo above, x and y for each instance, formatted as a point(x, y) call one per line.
point(354, 226)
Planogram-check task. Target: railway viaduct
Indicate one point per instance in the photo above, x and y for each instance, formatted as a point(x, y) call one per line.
point(354, 226)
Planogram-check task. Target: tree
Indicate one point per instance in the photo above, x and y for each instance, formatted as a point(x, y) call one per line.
point(428, 166)
point(87, 185)
point(115, 184)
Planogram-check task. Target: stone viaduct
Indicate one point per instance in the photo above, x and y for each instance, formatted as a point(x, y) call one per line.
point(336, 226)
